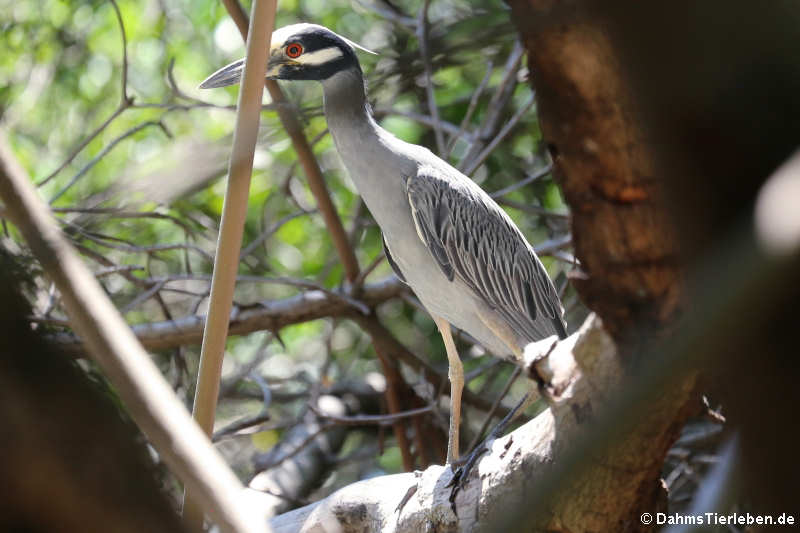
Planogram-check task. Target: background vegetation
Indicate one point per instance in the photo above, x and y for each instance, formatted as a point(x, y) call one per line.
point(130, 154)
point(99, 103)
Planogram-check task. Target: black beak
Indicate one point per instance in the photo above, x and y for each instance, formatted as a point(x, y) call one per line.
point(227, 75)
point(232, 74)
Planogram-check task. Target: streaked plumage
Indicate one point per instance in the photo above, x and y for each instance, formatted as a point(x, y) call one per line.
point(471, 238)
point(444, 236)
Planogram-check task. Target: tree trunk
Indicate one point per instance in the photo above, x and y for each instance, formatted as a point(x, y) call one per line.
point(629, 272)
point(68, 463)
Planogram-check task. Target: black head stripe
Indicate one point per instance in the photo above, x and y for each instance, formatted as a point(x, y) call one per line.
point(316, 39)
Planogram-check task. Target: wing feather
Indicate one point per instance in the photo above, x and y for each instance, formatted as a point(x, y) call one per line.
point(471, 238)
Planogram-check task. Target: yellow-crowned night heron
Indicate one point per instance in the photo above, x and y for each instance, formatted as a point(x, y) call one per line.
point(462, 255)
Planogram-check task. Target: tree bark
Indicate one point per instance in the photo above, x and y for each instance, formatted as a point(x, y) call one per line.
point(510, 477)
point(629, 272)
point(420, 501)
point(68, 463)
point(695, 103)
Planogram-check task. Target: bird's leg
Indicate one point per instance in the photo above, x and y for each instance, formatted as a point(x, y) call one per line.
point(466, 467)
point(503, 332)
point(462, 473)
point(456, 375)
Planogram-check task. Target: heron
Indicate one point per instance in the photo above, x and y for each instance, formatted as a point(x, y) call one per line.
point(467, 262)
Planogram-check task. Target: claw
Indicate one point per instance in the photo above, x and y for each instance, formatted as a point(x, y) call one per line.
point(463, 471)
point(460, 474)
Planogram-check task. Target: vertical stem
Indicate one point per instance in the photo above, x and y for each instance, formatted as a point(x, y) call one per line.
point(234, 212)
point(305, 155)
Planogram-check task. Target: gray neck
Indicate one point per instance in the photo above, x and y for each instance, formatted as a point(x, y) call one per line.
point(369, 153)
point(347, 111)
point(345, 96)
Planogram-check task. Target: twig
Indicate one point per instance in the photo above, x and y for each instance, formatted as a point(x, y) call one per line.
point(473, 104)
point(497, 104)
point(147, 249)
point(551, 246)
point(394, 381)
point(426, 120)
point(478, 160)
point(142, 297)
point(252, 245)
point(311, 437)
point(249, 422)
point(492, 364)
point(124, 37)
point(116, 269)
point(422, 37)
point(125, 103)
point(285, 280)
point(368, 270)
point(523, 182)
point(532, 209)
point(371, 420)
point(106, 149)
point(514, 375)
point(390, 14)
point(115, 212)
point(266, 393)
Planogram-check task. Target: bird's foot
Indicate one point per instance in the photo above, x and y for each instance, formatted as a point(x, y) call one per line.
point(463, 468)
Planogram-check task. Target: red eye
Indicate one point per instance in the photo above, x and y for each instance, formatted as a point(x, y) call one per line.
point(294, 50)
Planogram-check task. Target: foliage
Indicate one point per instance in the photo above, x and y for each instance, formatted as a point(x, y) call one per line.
point(142, 198)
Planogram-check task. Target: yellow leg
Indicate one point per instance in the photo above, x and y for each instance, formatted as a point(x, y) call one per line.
point(456, 374)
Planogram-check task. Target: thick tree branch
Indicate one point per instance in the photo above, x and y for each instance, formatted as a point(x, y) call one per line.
point(420, 501)
point(270, 315)
point(68, 462)
point(109, 340)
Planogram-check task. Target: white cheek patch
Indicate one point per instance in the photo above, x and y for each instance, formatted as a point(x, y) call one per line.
point(320, 57)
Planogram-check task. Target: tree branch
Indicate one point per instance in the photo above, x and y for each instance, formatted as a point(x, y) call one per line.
point(415, 501)
point(270, 315)
point(146, 394)
point(234, 211)
point(629, 273)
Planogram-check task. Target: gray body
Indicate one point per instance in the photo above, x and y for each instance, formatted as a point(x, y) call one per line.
point(462, 255)
point(401, 182)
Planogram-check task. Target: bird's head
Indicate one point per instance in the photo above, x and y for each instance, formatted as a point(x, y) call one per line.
point(297, 52)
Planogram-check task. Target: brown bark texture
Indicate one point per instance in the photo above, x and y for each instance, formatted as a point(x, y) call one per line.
point(718, 83)
point(629, 274)
point(68, 462)
point(674, 115)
